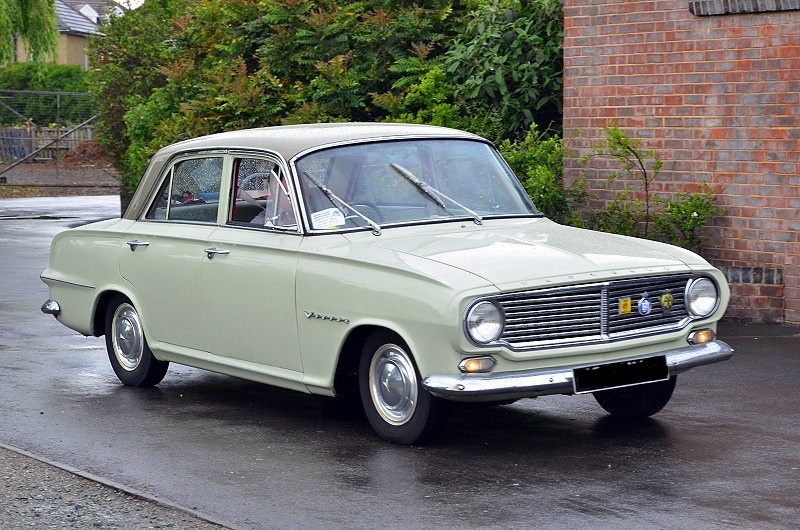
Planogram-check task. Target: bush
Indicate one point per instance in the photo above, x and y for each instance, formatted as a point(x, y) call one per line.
point(45, 109)
point(676, 219)
point(538, 161)
point(509, 59)
point(683, 216)
point(43, 76)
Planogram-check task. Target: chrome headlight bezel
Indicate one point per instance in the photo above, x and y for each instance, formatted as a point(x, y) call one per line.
point(702, 297)
point(484, 322)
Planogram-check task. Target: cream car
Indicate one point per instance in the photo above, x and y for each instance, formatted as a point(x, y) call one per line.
point(405, 263)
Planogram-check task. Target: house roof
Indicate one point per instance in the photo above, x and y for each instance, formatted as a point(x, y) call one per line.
point(101, 7)
point(72, 22)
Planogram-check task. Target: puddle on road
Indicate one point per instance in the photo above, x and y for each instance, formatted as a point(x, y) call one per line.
point(26, 216)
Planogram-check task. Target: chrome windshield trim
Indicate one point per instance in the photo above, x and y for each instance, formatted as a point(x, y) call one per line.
point(402, 224)
point(532, 383)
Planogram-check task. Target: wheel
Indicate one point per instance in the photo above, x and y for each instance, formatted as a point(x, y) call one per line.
point(638, 401)
point(399, 409)
point(130, 356)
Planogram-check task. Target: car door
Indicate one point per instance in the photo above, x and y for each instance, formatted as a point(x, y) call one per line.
point(249, 308)
point(167, 250)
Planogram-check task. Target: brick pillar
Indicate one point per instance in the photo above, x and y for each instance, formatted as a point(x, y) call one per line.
point(717, 95)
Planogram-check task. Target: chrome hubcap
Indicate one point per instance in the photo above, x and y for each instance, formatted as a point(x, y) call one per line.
point(393, 384)
point(127, 337)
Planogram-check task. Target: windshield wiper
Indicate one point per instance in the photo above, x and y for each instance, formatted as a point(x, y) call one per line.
point(433, 193)
point(376, 229)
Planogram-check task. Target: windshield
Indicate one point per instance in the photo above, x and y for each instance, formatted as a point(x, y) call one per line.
point(405, 181)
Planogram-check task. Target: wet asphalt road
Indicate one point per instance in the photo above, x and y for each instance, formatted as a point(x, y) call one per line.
point(724, 453)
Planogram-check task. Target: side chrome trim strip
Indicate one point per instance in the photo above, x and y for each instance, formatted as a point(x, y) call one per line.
point(76, 284)
point(532, 383)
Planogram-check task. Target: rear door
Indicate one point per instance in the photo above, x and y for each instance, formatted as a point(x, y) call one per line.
point(167, 250)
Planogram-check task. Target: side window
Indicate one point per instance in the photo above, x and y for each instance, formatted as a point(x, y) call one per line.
point(190, 191)
point(260, 195)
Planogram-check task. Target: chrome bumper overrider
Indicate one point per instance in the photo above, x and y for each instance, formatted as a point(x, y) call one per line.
point(51, 308)
point(514, 385)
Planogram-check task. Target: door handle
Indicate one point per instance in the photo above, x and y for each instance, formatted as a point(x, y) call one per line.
point(212, 251)
point(136, 243)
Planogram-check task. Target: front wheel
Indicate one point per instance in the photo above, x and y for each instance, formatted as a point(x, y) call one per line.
point(130, 356)
point(638, 401)
point(399, 409)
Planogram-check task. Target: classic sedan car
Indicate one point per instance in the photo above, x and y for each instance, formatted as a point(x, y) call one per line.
point(403, 262)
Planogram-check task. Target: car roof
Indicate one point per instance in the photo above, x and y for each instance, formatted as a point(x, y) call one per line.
point(288, 141)
point(291, 140)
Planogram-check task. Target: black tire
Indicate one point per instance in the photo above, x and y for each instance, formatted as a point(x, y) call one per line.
point(399, 409)
point(638, 401)
point(130, 356)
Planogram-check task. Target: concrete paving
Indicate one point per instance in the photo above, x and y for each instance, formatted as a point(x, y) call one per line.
point(723, 453)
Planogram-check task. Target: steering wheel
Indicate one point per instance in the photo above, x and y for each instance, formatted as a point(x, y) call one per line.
point(245, 183)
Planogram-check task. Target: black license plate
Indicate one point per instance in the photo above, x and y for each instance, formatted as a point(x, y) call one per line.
point(623, 373)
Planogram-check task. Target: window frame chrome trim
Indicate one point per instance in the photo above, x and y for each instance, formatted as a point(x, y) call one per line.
point(307, 230)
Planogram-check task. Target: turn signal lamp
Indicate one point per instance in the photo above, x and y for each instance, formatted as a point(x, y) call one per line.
point(475, 365)
point(701, 336)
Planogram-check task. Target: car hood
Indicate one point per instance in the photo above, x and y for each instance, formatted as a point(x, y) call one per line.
point(534, 252)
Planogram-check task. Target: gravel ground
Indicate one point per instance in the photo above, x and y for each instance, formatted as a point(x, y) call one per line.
point(38, 495)
point(35, 494)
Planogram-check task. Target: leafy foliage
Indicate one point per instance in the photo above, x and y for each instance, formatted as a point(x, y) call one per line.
point(538, 160)
point(432, 101)
point(636, 163)
point(38, 106)
point(174, 68)
point(675, 219)
point(34, 21)
point(683, 216)
point(126, 66)
point(337, 58)
point(509, 59)
point(43, 76)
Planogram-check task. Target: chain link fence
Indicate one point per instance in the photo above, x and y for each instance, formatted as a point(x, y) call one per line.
point(47, 145)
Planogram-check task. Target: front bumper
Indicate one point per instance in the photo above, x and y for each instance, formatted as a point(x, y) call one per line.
point(532, 383)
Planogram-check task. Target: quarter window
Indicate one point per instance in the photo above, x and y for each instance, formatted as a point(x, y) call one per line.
point(190, 191)
point(260, 196)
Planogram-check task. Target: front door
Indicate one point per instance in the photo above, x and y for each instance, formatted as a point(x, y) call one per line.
point(249, 288)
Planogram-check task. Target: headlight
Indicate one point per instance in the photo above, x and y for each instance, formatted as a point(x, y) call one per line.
point(702, 297)
point(484, 322)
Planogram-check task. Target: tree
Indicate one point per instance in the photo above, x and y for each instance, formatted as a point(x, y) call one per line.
point(32, 20)
point(175, 69)
point(126, 66)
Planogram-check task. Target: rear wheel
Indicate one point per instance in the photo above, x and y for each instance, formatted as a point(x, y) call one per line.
point(399, 409)
point(130, 356)
point(638, 401)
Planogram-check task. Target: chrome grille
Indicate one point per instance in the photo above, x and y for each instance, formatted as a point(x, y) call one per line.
point(659, 316)
point(593, 313)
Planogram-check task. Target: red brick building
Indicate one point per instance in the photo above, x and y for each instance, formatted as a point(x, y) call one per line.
point(713, 87)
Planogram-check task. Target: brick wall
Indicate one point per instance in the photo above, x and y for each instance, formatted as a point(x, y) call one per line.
point(717, 95)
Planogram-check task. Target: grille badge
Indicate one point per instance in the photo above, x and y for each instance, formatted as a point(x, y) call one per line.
point(666, 299)
point(645, 305)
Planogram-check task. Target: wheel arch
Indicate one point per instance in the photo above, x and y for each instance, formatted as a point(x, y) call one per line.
point(346, 375)
point(101, 308)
